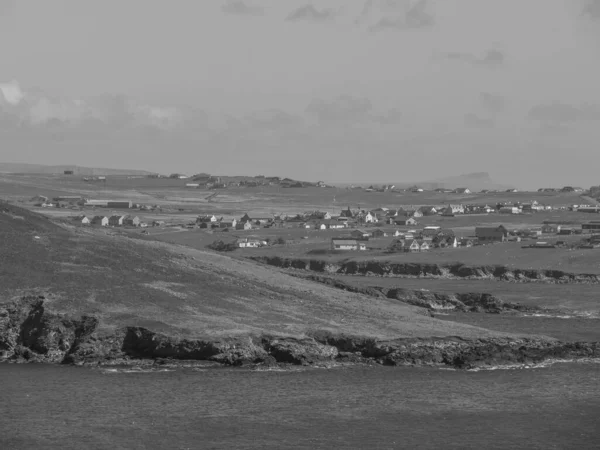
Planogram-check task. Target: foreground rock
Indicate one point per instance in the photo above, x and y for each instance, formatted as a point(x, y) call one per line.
point(30, 333)
point(393, 269)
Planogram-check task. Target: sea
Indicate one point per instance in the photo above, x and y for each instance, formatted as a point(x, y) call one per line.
point(551, 406)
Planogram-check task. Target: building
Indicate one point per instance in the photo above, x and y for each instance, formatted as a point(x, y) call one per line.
point(377, 233)
point(100, 220)
point(406, 222)
point(192, 185)
point(347, 213)
point(428, 210)
point(466, 242)
point(491, 234)
point(415, 245)
point(549, 228)
point(132, 221)
point(244, 226)
point(228, 224)
point(102, 203)
point(116, 221)
point(207, 219)
point(83, 220)
point(360, 234)
point(68, 198)
point(591, 227)
point(347, 244)
point(249, 243)
point(119, 204)
point(589, 209)
point(462, 191)
point(509, 210)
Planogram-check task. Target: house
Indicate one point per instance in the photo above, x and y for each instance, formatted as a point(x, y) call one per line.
point(83, 220)
point(378, 233)
point(428, 210)
point(249, 243)
point(550, 228)
point(403, 235)
point(462, 191)
point(207, 219)
point(132, 221)
point(413, 213)
point(457, 209)
point(228, 224)
point(347, 244)
point(466, 242)
point(360, 234)
point(370, 218)
point(447, 212)
point(491, 234)
point(509, 210)
point(158, 223)
point(116, 220)
point(347, 214)
point(244, 226)
point(415, 245)
point(406, 222)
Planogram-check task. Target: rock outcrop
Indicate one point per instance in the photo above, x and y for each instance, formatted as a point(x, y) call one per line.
point(30, 332)
point(397, 269)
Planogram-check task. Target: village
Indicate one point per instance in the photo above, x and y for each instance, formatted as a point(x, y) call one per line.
point(408, 229)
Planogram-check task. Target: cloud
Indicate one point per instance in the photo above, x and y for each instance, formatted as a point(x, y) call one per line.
point(592, 9)
point(414, 15)
point(492, 103)
point(491, 58)
point(561, 113)
point(474, 121)
point(311, 14)
point(344, 109)
point(37, 109)
point(7, 7)
point(238, 7)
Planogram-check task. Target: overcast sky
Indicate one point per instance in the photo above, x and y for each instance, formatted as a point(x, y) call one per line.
point(341, 90)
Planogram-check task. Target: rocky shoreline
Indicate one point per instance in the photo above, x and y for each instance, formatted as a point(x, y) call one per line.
point(435, 301)
point(31, 333)
point(416, 270)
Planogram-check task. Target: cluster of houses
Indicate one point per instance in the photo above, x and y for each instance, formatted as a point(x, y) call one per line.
point(117, 220)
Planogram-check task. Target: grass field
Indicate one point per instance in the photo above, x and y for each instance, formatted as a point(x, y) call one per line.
point(183, 291)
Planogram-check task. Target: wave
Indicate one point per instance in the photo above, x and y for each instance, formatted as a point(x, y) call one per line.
point(541, 365)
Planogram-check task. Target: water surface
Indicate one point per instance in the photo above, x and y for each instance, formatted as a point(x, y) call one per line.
point(57, 407)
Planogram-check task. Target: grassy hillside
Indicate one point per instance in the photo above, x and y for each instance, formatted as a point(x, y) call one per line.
point(183, 291)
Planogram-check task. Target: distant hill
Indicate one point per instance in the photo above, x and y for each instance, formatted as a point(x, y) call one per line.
point(77, 170)
point(475, 181)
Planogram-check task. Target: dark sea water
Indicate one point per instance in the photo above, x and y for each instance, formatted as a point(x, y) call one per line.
point(59, 407)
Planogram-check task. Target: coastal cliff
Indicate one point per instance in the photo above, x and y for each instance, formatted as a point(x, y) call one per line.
point(29, 332)
point(458, 270)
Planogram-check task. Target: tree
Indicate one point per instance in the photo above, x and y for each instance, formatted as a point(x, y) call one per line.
point(221, 246)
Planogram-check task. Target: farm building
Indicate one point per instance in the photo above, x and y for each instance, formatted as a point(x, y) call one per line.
point(244, 226)
point(347, 244)
point(103, 203)
point(462, 191)
point(119, 204)
point(228, 224)
point(491, 234)
point(589, 209)
point(100, 220)
point(590, 227)
point(509, 210)
point(68, 198)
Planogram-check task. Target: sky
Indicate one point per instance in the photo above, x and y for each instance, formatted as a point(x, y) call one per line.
point(334, 90)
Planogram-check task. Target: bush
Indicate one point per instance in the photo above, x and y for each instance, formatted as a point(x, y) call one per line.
point(221, 246)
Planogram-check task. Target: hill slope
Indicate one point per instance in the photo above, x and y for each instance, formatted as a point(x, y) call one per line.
point(82, 171)
point(110, 296)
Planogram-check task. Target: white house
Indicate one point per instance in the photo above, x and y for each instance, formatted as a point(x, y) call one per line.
point(509, 210)
point(347, 244)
